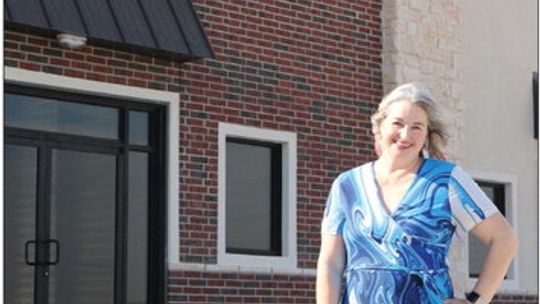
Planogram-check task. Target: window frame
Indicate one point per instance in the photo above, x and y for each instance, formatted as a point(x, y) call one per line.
point(535, 103)
point(499, 194)
point(510, 183)
point(287, 261)
point(137, 99)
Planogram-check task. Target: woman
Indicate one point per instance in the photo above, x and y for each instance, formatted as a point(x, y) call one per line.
point(388, 224)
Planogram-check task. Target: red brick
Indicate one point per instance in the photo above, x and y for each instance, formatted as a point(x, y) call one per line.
point(74, 73)
point(58, 61)
point(30, 66)
point(243, 35)
point(81, 65)
point(13, 54)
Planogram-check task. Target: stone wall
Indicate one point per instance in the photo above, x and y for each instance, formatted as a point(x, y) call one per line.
point(421, 42)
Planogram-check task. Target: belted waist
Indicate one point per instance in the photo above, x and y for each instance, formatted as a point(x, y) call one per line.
point(426, 277)
point(419, 272)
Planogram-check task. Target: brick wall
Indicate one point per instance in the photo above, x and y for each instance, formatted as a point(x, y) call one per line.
point(307, 67)
point(300, 66)
point(515, 299)
point(226, 287)
point(39, 53)
point(312, 69)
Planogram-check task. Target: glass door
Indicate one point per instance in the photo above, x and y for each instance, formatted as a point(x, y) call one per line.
point(70, 257)
point(82, 227)
point(84, 201)
point(20, 201)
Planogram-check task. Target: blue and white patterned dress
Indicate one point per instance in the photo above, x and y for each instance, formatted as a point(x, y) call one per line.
point(400, 257)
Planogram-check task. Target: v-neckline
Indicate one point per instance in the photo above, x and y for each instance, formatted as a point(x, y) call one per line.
point(401, 201)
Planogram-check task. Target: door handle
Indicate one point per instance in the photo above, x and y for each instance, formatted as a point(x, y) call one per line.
point(57, 251)
point(26, 245)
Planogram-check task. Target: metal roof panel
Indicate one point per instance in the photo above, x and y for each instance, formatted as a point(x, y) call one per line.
point(132, 23)
point(162, 21)
point(28, 12)
point(190, 26)
point(99, 20)
point(64, 16)
point(166, 27)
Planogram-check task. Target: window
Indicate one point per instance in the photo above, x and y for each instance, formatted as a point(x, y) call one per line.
point(253, 196)
point(477, 250)
point(84, 183)
point(169, 102)
point(257, 195)
point(501, 189)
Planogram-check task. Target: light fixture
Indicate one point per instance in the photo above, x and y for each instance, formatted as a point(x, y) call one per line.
point(71, 41)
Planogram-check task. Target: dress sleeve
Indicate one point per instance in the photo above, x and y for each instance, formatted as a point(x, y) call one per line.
point(470, 205)
point(333, 218)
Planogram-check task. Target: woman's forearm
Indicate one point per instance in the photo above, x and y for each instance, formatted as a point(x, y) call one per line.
point(500, 255)
point(328, 284)
point(330, 266)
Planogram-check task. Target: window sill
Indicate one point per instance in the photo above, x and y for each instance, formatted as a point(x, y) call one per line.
point(179, 266)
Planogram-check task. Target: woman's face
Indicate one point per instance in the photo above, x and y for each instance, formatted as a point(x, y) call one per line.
point(404, 130)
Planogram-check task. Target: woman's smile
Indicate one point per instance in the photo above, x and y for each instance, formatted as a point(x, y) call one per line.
point(403, 146)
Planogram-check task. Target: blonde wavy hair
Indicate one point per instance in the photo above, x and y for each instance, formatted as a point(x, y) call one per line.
point(420, 95)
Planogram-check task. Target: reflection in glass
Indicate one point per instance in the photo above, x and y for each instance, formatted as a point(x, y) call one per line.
point(478, 251)
point(137, 256)
point(45, 114)
point(20, 178)
point(83, 204)
point(138, 128)
point(248, 196)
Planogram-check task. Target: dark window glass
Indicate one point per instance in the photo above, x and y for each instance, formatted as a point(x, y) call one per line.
point(83, 204)
point(477, 250)
point(20, 177)
point(43, 114)
point(253, 197)
point(137, 256)
point(138, 128)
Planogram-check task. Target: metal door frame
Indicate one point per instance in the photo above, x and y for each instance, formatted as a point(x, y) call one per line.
point(45, 142)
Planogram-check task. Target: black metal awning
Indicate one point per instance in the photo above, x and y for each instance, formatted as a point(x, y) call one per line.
point(167, 27)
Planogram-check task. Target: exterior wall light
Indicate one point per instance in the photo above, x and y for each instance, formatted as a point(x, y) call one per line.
point(71, 41)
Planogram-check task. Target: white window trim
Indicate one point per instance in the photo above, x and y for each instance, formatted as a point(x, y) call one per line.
point(288, 262)
point(511, 196)
point(96, 88)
